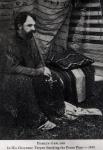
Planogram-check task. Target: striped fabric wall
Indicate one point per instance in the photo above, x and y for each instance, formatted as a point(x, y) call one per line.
point(52, 23)
point(60, 41)
point(86, 29)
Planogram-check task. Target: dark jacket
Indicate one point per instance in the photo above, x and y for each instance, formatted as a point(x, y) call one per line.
point(22, 56)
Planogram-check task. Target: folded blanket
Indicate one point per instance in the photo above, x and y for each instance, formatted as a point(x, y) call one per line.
point(72, 112)
point(69, 60)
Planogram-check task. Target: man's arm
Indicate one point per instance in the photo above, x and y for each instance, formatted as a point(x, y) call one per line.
point(14, 64)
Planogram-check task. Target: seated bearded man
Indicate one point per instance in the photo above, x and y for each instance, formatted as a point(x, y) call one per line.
point(33, 91)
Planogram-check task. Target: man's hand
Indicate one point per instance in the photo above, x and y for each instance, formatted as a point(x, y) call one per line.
point(47, 72)
point(43, 71)
point(40, 71)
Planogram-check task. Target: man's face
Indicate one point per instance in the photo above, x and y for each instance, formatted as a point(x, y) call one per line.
point(28, 27)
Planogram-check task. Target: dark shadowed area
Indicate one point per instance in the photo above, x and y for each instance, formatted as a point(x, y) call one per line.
point(86, 127)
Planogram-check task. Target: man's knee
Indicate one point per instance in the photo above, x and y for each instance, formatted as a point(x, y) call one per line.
point(15, 84)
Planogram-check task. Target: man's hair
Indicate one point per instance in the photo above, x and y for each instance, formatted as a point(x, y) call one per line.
point(21, 18)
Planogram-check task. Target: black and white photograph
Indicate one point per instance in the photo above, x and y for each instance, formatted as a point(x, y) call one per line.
point(51, 70)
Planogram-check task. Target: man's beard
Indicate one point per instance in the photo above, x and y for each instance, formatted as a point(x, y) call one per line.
point(29, 35)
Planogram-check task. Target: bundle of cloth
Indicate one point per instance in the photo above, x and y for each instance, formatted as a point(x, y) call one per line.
point(75, 71)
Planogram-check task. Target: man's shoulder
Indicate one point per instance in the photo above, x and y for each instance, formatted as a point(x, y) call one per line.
point(12, 46)
point(11, 40)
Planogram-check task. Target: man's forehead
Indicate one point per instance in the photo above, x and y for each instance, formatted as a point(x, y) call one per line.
point(29, 20)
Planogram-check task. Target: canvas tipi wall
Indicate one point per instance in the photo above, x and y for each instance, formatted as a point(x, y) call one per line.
point(86, 29)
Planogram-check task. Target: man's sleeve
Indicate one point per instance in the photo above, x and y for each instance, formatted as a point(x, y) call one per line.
point(14, 63)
